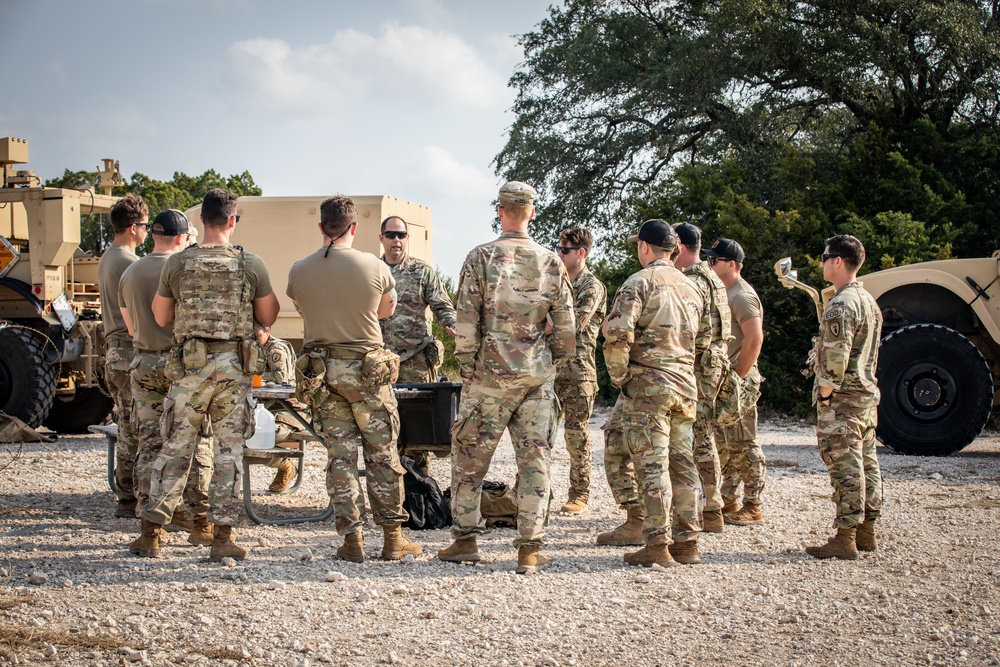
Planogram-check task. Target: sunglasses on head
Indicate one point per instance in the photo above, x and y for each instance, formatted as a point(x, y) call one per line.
point(395, 235)
point(567, 249)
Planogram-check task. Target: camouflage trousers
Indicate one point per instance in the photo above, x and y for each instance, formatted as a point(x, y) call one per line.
point(742, 459)
point(529, 413)
point(211, 401)
point(845, 430)
point(576, 397)
point(618, 467)
point(356, 415)
point(149, 387)
point(706, 456)
point(416, 369)
point(117, 360)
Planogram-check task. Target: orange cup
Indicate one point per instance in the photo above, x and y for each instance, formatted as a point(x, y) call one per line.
point(258, 381)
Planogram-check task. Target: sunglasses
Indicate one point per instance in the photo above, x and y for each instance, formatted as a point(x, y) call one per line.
point(828, 255)
point(141, 224)
point(567, 249)
point(395, 235)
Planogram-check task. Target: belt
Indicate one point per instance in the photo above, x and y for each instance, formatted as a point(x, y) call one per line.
point(344, 354)
point(114, 342)
point(154, 353)
point(222, 346)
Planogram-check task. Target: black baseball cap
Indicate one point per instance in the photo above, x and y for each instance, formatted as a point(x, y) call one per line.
point(655, 232)
point(170, 223)
point(688, 234)
point(726, 249)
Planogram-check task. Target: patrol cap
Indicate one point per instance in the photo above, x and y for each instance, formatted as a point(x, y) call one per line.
point(726, 249)
point(655, 232)
point(170, 223)
point(516, 192)
point(688, 234)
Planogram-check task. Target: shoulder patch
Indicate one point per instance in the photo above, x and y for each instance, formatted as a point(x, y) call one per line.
point(834, 313)
point(835, 327)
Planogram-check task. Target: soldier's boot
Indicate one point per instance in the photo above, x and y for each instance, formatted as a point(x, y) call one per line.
point(865, 537)
point(529, 560)
point(463, 550)
point(650, 554)
point(283, 477)
point(749, 515)
point(839, 546)
point(729, 505)
point(353, 548)
point(126, 509)
point(147, 545)
point(575, 505)
point(685, 552)
point(397, 546)
point(223, 545)
point(203, 532)
point(181, 521)
point(628, 534)
point(712, 521)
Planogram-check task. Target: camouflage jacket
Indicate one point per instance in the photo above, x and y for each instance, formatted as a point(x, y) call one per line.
point(279, 361)
point(717, 326)
point(652, 331)
point(847, 348)
point(408, 330)
point(590, 303)
point(506, 289)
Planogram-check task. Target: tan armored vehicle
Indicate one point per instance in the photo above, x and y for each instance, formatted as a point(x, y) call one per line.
point(937, 366)
point(51, 342)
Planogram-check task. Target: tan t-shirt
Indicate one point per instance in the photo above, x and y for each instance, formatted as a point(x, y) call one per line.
point(113, 263)
point(136, 292)
point(339, 297)
point(744, 304)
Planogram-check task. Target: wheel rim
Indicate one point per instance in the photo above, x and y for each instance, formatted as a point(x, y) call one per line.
point(926, 391)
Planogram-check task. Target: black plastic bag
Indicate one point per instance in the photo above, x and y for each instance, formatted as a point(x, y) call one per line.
point(422, 499)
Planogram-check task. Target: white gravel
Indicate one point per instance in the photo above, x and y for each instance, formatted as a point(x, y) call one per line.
point(71, 594)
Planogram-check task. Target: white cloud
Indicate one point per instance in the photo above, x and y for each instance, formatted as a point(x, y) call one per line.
point(443, 173)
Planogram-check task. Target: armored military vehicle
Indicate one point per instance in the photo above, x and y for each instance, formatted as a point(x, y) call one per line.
point(937, 369)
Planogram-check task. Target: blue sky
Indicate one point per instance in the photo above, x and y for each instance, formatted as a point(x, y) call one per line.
point(401, 97)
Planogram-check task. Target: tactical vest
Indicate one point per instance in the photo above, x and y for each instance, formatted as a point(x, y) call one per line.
point(215, 301)
point(721, 326)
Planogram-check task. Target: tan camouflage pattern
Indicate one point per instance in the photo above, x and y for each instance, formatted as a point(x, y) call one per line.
point(408, 331)
point(506, 289)
point(618, 466)
point(576, 398)
point(740, 453)
point(357, 415)
point(212, 402)
point(530, 416)
point(279, 361)
point(149, 387)
point(590, 304)
point(415, 369)
point(207, 305)
point(848, 343)
point(117, 360)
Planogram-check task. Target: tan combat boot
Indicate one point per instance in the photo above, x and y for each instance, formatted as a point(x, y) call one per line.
point(839, 546)
point(865, 537)
point(126, 509)
point(629, 533)
point(529, 560)
point(685, 552)
point(749, 515)
point(283, 477)
point(147, 545)
point(463, 550)
point(575, 505)
point(711, 521)
point(181, 521)
point(729, 505)
point(202, 534)
point(223, 545)
point(396, 546)
point(353, 548)
point(650, 554)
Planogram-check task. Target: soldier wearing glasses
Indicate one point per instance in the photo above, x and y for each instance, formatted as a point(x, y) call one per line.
point(576, 382)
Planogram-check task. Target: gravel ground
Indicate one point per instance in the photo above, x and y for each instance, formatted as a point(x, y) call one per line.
point(71, 594)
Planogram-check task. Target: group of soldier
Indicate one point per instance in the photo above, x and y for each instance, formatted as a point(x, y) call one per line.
point(682, 338)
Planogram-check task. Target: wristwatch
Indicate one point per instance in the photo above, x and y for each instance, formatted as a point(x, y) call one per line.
point(825, 399)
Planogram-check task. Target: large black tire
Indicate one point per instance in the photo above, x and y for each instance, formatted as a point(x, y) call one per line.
point(937, 390)
point(27, 381)
point(88, 406)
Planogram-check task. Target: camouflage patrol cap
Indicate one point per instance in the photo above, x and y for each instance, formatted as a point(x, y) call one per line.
point(170, 223)
point(516, 192)
point(657, 233)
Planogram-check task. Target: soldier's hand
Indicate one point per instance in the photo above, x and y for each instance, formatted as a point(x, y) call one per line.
point(452, 330)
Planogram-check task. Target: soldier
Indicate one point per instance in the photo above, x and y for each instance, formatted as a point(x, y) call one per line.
point(710, 365)
point(576, 382)
point(649, 348)
point(130, 220)
point(508, 290)
point(279, 368)
point(171, 233)
point(847, 399)
point(341, 293)
point(211, 292)
point(408, 332)
point(739, 451)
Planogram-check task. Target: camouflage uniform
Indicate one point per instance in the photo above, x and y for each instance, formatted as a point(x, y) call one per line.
point(618, 466)
point(649, 349)
point(845, 428)
point(279, 368)
point(408, 332)
point(506, 289)
point(576, 382)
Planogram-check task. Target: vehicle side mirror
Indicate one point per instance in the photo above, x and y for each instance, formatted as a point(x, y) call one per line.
point(784, 268)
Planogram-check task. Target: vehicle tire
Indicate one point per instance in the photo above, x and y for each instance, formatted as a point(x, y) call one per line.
point(937, 390)
point(27, 380)
point(90, 405)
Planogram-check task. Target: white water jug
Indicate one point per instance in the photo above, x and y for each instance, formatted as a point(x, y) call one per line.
point(263, 435)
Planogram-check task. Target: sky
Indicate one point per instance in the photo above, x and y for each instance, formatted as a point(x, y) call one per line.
point(407, 98)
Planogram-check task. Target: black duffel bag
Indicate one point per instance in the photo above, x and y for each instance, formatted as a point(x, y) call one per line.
point(423, 500)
